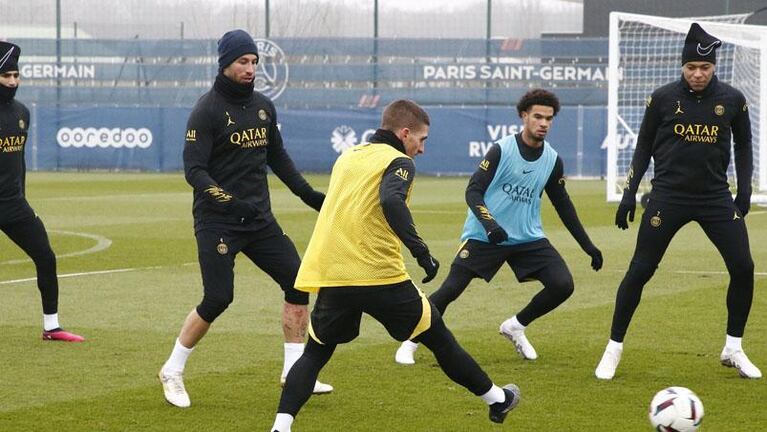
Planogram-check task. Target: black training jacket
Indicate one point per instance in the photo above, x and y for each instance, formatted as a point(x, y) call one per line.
point(14, 125)
point(687, 134)
point(230, 141)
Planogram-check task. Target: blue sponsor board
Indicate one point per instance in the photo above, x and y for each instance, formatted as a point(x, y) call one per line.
point(152, 139)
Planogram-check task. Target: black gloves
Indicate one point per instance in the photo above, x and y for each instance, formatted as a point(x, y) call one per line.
point(596, 258)
point(627, 207)
point(497, 235)
point(430, 265)
point(313, 199)
point(743, 203)
point(243, 209)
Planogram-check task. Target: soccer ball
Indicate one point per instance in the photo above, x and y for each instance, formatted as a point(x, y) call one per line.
point(676, 409)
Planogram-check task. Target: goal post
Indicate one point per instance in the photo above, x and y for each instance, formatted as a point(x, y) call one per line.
point(645, 53)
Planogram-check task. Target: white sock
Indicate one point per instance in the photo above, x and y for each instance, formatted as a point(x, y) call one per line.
point(495, 395)
point(51, 322)
point(293, 352)
point(282, 422)
point(515, 324)
point(177, 359)
point(410, 345)
point(614, 346)
point(733, 343)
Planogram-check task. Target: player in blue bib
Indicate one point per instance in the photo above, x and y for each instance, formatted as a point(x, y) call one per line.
point(503, 223)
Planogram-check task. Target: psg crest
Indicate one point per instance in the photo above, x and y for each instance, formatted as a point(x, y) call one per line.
point(272, 73)
point(222, 248)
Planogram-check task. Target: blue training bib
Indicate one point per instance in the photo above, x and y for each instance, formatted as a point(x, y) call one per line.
point(514, 195)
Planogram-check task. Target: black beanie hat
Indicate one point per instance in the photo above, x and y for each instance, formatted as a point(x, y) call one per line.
point(234, 44)
point(9, 57)
point(699, 45)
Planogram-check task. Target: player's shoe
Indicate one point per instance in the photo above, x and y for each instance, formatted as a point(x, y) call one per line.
point(606, 368)
point(499, 411)
point(59, 334)
point(739, 360)
point(405, 353)
point(173, 387)
point(517, 337)
point(319, 387)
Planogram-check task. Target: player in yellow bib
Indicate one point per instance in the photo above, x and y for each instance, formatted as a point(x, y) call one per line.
point(354, 262)
point(352, 243)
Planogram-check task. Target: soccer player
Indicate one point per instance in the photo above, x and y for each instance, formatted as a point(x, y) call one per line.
point(232, 136)
point(17, 219)
point(355, 262)
point(503, 223)
point(686, 130)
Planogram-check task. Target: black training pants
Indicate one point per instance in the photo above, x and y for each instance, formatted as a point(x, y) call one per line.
point(723, 225)
point(30, 235)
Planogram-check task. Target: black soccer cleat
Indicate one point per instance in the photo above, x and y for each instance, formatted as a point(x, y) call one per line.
point(499, 410)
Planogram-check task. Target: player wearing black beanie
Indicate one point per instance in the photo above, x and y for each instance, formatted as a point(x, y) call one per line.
point(17, 219)
point(232, 137)
point(687, 130)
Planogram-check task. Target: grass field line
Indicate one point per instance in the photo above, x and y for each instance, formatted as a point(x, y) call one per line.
point(102, 243)
point(153, 195)
point(131, 269)
point(92, 273)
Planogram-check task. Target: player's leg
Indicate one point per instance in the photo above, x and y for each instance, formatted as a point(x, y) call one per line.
point(216, 253)
point(547, 266)
point(474, 259)
point(730, 236)
point(300, 383)
point(30, 235)
point(660, 222)
point(277, 256)
point(407, 314)
point(453, 286)
point(335, 319)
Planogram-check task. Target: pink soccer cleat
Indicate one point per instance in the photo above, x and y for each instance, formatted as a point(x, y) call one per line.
point(59, 334)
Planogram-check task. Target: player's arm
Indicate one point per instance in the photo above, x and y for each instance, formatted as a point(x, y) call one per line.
point(282, 165)
point(395, 186)
point(197, 149)
point(557, 193)
point(639, 162)
point(475, 195)
point(645, 140)
point(744, 162)
point(25, 116)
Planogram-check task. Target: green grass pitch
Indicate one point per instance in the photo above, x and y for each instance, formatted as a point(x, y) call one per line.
point(131, 314)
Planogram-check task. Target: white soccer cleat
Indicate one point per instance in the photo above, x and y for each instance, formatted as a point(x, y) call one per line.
point(739, 360)
point(609, 363)
point(173, 387)
point(322, 388)
point(517, 337)
point(405, 354)
point(319, 387)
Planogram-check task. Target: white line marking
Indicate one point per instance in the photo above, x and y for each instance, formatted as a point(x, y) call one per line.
point(713, 272)
point(93, 273)
point(68, 275)
point(101, 244)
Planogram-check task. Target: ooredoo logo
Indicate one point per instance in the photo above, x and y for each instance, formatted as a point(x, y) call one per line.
point(104, 138)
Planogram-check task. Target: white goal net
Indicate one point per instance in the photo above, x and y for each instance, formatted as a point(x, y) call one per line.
point(645, 53)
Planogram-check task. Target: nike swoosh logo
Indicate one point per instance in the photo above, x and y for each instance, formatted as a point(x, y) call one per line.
point(526, 172)
point(704, 51)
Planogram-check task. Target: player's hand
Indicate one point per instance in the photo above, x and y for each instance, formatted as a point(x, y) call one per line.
point(743, 203)
point(596, 258)
point(314, 199)
point(430, 265)
point(497, 235)
point(626, 208)
point(242, 209)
